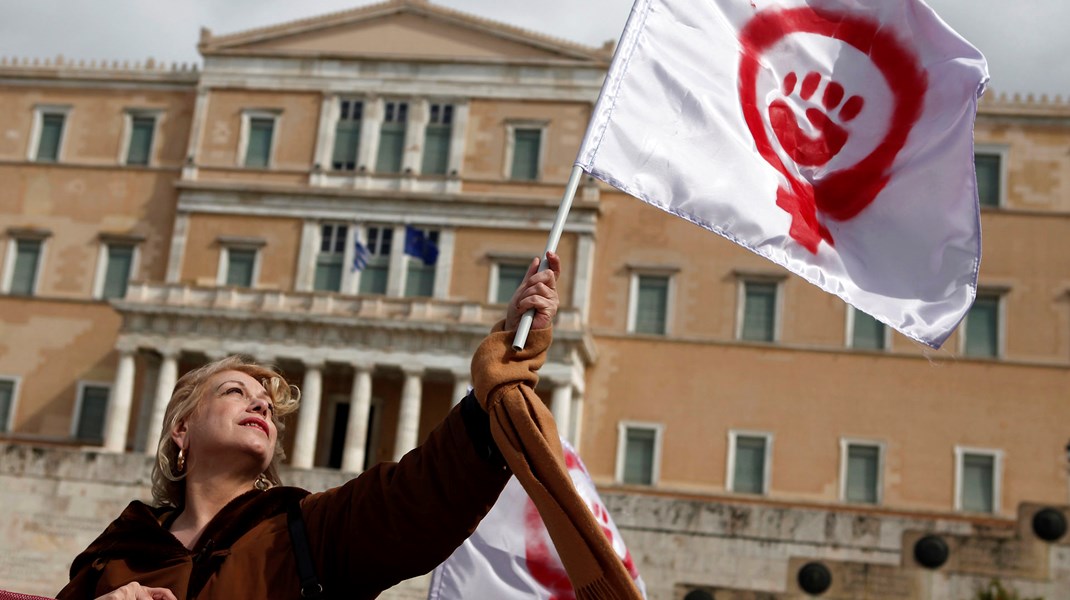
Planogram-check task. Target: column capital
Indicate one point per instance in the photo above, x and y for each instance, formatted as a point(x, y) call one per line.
point(316, 363)
point(417, 370)
point(126, 346)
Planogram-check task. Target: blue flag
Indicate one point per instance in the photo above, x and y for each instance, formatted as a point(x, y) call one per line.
point(418, 244)
point(360, 257)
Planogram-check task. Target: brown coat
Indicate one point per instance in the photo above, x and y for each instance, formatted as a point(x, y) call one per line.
point(393, 522)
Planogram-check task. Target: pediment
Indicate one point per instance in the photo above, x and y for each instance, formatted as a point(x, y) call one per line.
point(401, 30)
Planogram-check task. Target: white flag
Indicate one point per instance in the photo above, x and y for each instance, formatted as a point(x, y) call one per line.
point(833, 137)
point(510, 555)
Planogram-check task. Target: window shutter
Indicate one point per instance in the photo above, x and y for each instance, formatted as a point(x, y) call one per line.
point(258, 152)
point(24, 277)
point(92, 414)
point(140, 140)
point(978, 472)
point(982, 327)
point(51, 133)
point(988, 172)
point(652, 304)
point(862, 474)
point(509, 278)
point(7, 397)
point(526, 154)
point(759, 312)
point(117, 275)
point(868, 332)
point(436, 150)
point(749, 476)
point(240, 267)
point(639, 456)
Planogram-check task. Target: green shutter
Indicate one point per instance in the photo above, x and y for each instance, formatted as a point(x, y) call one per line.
point(868, 333)
point(373, 279)
point(93, 411)
point(391, 147)
point(328, 273)
point(749, 474)
point(978, 483)
point(509, 279)
point(652, 304)
point(759, 312)
point(7, 398)
point(436, 150)
point(346, 144)
point(863, 464)
point(639, 447)
point(117, 275)
point(140, 140)
point(988, 172)
point(258, 152)
point(240, 265)
point(526, 144)
point(51, 134)
point(982, 327)
point(27, 257)
point(419, 280)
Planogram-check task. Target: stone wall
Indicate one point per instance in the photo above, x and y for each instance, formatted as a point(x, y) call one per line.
point(55, 501)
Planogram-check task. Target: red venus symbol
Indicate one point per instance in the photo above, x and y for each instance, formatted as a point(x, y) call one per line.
point(839, 195)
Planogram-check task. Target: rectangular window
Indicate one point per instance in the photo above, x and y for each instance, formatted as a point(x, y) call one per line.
point(119, 268)
point(330, 258)
point(7, 403)
point(374, 275)
point(759, 311)
point(862, 474)
point(982, 327)
point(420, 276)
point(526, 147)
point(347, 135)
point(509, 279)
point(258, 150)
point(651, 304)
point(392, 137)
point(437, 140)
point(26, 266)
point(93, 408)
point(978, 473)
point(140, 148)
point(51, 137)
point(867, 333)
point(241, 263)
point(749, 466)
point(988, 168)
point(638, 453)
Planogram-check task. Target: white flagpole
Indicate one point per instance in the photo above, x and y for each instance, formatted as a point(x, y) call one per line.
point(522, 329)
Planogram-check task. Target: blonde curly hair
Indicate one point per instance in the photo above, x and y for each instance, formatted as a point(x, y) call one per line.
point(168, 487)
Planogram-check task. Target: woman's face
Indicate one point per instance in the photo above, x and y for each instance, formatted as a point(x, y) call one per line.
point(232, 427)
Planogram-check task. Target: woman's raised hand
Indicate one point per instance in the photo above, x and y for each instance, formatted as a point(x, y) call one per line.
point(136, 591)
point(538, 291)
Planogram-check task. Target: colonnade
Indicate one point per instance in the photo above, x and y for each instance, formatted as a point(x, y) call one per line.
point(308, 416)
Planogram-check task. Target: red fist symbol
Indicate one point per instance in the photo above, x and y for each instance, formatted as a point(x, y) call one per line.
point(820, 100)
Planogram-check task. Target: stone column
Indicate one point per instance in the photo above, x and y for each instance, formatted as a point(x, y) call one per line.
point(461, 381)
point(409, 414)
point(360, 401)
point(308, 416)
point(165, 385)
point(122, 398)
point(561, 406)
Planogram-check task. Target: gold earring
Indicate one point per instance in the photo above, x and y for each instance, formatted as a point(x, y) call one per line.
point(181, 462)
point(262, 483)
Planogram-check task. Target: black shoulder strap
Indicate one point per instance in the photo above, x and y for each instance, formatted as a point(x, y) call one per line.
point(306, 571)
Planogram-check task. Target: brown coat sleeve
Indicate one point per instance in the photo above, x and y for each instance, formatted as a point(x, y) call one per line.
point(400, 520)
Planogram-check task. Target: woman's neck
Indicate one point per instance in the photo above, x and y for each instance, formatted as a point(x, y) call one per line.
point(204, 500)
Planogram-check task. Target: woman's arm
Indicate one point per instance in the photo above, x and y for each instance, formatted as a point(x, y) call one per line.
point(400, 520)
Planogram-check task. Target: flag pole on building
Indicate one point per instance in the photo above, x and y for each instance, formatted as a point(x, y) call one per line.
point(521, 337)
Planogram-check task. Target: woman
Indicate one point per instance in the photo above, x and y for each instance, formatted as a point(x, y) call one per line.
point(222, 525)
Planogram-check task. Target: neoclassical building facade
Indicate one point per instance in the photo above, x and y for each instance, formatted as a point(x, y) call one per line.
point(353, 198)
